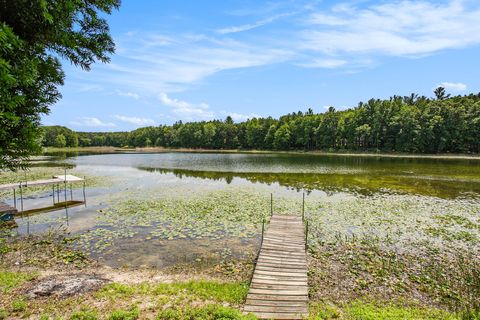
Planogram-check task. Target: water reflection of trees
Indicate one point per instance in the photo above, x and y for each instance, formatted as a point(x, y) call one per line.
point(363, 183)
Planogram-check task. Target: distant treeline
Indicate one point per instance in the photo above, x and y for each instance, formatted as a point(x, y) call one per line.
point(399, 124)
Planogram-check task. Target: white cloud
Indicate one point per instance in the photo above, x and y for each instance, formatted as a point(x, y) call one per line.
point(89, 88)
point(347, 36)
point(327, 20)
point(133, 95)
point(323, 63)
point(188, 111)
point(453, 86)
point(201, 111)
point(149, 64)
point(135, 120)
point(401, 28)
point(251, 26)
point(91, 122)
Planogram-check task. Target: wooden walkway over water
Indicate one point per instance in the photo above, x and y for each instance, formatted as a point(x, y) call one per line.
point(279, 288)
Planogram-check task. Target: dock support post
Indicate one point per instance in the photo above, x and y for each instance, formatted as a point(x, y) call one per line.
point(303, 207)
point(58, 193)
point(263, 231)
point(84, 197)
point(65, 189)
point(271, 204)
point(21, 200)
point(71, 192)
point(14, 199)
point(53, 194)
point(306, 235)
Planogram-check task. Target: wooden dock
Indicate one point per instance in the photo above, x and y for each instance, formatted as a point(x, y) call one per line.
point(279, 288)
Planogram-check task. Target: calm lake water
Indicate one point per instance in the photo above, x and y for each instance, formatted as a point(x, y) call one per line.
point(438, 177)
point(169, 208)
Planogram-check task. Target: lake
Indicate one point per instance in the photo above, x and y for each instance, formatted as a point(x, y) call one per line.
point(166, 209)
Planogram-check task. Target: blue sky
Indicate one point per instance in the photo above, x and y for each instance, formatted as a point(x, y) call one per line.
point(201, 60)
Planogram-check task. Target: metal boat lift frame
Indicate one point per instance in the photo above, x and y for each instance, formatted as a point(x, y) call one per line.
point(55, 180)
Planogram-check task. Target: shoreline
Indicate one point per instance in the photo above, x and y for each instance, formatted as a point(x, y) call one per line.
point(447, 156)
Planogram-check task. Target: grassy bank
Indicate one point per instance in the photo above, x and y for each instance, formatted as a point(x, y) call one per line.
point(200, 299)
point(349, 278)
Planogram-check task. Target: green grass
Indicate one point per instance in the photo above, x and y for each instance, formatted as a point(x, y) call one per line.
point(360, 310)
point(205, 290)
point(125, 315)
point(11, 280)
point(369, 311)
point(19, 306)
point(234, 293)
point(207, 312)
point(202, 300)
point(3, 314)
point(84, 314)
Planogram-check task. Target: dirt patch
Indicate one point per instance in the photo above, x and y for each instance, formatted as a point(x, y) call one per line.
point(65, 286)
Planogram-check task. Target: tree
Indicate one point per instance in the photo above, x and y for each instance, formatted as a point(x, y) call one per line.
point(282, 138)
point(147, 142)
point(405, 124)
point(209, 130)
point(33, 35)
point(440, 93)
point(363, 134)
point(60, 141)
point(50, 134)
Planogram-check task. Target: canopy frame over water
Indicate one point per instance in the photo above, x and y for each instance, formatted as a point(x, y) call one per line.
point(53, 181)
point(66, 179)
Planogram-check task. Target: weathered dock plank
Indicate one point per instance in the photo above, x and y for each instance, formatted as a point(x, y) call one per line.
point(279, 288)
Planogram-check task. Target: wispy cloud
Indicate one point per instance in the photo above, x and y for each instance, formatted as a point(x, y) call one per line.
point(129, 94)
point(400, 28)
point(200, 111)
point(135, 120)
point(453, 86)
point(323, 63)
point(250, 26)
point(89, 87)
point(92, 122)
point(187, 110)
point(148, 68)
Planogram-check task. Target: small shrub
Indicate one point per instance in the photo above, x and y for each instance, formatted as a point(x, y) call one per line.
point(3, 314)
point(84, 314)
point(19, 305)
point(125, 315)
